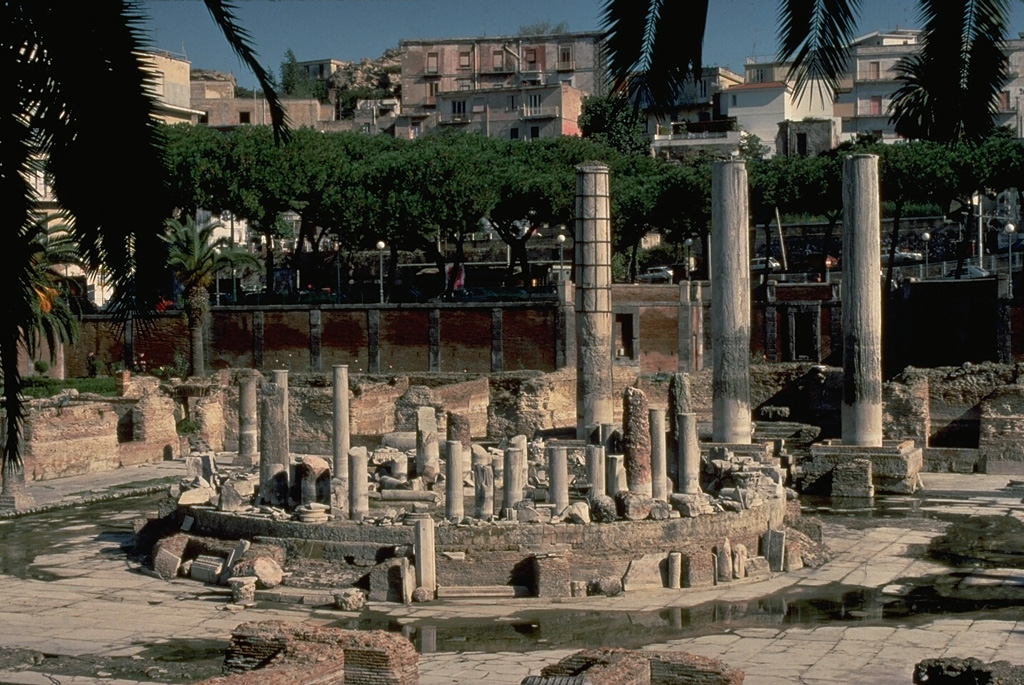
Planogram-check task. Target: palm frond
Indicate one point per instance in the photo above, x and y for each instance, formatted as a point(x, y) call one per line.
point(815, 35)
point(223, 13)
point(652, 46)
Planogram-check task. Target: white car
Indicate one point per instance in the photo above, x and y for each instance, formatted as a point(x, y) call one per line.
point(656, 274)
point(765, 264)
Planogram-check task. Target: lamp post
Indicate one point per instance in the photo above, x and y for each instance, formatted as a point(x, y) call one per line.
point(561, 246)
point(380, 246)
point(688, 244)
point(1010, 228)
point(926, 237)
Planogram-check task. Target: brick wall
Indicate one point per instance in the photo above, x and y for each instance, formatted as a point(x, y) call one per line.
point(466, 340)
point(404, 340)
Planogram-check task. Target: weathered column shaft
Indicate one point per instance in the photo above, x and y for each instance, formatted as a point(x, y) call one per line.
point(689, 454)
point(595, 470)
point(593, 299)
point(247, 421)
point(459, 428)
point(675, 570)
point(455, 506)
point(636, 441)
point(730, 302)
point(280, 377)
point(358, 500)
point(426, 555)
point(615, 474)
point(862, 304)
point(558, 478)
point(659, 460)
point(274, 459)
point(483, 482)
point(427, 450)
point(342, 434)
point(514, 478)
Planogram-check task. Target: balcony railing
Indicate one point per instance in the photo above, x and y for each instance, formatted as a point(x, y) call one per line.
point(539, 112)
point(450, 118)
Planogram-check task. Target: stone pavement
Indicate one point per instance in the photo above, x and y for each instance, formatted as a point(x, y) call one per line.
point(98, 603)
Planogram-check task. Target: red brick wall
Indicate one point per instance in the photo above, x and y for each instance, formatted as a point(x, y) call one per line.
point(528, 339)
point(659, 339)
point(404, 340)
point(286, 340)
point(231, 339)
point(466, 339)
point(343, 339)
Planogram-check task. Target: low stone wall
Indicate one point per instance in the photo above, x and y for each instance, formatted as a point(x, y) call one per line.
point(1001, 431)
point(297, 651)
point(624, 667)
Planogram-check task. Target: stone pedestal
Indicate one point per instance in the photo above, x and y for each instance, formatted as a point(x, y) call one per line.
point(342, 431)
point(454, 501)
point(659, 463)
point(862, 303)
point(596, 470)
point(730, 302)
point(593, 300)
point(358, 499)
point(248, 435)
point(558, 478)
point(895, 468)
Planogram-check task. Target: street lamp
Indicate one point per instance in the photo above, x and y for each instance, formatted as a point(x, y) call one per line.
point(561, 245)
point(926, 237)
point(1010, 228)
point(380, 246)
point(688, 244)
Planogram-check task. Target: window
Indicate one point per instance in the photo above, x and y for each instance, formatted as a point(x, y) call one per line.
point(463, 84)
point(464, 60)
point(530, 57)
point(1004, 101)
point(732, 100)
point(458, 108)
point(801, 144)
point(534, 132)
point(432, 89)
point(510, 103)
point(498, 60)
point(874, 70)
point(244, 117)
point(758, 75)
point(513, 133)
point(875, 108)
point(702, 87)
point(565, 56)
point(414, 130)
point(366, 127)
point(431, 62)
point(534, 106)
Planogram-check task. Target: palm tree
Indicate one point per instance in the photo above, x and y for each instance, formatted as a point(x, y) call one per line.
point(195, 258)
point(56, 57)
point(949, 89)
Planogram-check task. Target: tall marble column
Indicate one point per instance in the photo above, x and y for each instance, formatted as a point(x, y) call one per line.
point(275, 462)
point(358, 497)
point(689, 454)
point(659, 458)
point(455, 504)
point(248, 435)
point(558, 478)
point(595, 470)
point(514, 479)
point(426, 553)
point(593, 300)
point(862, 304)
point(730, 302)
point(280, 378)
point(342, 429)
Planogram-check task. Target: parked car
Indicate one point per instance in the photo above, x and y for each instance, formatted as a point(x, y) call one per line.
point(656, 274)
point(969, 271)
point(765, 264)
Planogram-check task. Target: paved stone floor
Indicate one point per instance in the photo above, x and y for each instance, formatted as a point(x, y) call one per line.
point(86, 598)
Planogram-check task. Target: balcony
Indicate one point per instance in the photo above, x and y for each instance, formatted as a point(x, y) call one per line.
point(448, 119)
point(568, 65)
point(528, 112)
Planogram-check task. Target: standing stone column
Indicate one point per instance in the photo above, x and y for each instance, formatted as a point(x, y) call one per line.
point(636, 441)
point(483, 483)
point(247, 433)
point(558, 477)
point(280, 377)
point(342, 434)
point(730, 303)
point(675, 570)
point(659, 460)
point(593, 299)
point(358, 500)
point(615, 474)
point(428, 459)
point(515, 479)
point(689, 454)
point(862, 304)
point(595, 470)
point(455, 506)
point(426, 555)
point(274, 459)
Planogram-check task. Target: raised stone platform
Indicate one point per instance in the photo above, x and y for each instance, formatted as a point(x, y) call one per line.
point(894, 467)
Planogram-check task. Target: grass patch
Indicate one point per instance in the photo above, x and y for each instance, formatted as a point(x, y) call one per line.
point(48, 387)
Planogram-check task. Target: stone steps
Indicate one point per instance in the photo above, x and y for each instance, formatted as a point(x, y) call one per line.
point(476, 591)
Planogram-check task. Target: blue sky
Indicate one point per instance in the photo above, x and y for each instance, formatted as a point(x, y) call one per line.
point(353, 29)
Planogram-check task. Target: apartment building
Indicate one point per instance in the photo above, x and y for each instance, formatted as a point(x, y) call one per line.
point(695, 122)
point(171, 86)
point(521, 86)
point(213, 96)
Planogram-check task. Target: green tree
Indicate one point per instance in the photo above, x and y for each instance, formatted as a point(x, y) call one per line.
point(51, 114)
point(195, 258)
point(296, 82)
point(611, 121)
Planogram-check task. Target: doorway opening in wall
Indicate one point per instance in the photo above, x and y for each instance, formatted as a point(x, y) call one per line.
point(805, 344)
point(624, 339)
point(535, 132)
